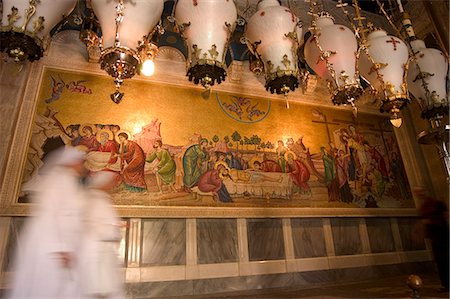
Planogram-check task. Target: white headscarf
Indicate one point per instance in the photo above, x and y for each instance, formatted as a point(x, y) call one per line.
point(69, 155)
point(62, 156)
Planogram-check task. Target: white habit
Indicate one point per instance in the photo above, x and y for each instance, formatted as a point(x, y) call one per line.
point(55, 226)
point(101, 270)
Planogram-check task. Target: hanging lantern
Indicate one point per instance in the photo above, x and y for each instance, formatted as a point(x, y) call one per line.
point(427, 75)
point(332, 53)
point(273, 34)
point(25, 25)
point(384, 63)
point(127, 28)
point(206, 25)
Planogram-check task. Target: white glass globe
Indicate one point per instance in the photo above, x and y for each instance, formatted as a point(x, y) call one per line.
point(148, 67)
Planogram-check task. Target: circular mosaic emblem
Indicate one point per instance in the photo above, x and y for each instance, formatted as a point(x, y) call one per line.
point(245, 110)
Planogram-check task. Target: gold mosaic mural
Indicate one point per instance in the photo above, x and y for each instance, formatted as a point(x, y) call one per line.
point(168, 146)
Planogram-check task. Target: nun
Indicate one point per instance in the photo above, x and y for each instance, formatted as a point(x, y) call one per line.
point(102, 276)
point(46, 260)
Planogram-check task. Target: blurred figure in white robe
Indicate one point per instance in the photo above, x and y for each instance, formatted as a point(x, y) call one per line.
point(102, 276)
point(46, 261)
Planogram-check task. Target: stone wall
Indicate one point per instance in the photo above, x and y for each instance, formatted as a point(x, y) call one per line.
point(180, 257)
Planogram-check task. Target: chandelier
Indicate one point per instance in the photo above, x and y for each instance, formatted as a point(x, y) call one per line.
point(273, 36)
point(427, 78)
point(332, 52)
point(382, 61)
point(384, 64)
point(206, 25)
point(127, 30)
point(25, 26)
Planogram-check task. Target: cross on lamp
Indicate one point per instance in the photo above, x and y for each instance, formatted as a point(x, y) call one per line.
point(394, 42)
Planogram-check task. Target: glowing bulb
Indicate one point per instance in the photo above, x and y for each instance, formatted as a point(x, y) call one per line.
point(148, 68)
point(396, 122)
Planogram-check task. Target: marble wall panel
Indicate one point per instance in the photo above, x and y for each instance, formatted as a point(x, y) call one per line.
point(334, 275)
point(122, 247)
point(216, 241)
point(380, 235)
point(16, 225)
point(423, 268)
point(308, 237)
point(411, 234)
point(346, 237)
point(265, 239)
point(257, 282)
point(163, 242)
point(314, 277)
point(165, 289)
point(219, 285)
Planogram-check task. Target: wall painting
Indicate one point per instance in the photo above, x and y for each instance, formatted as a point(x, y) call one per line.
point(169, 147)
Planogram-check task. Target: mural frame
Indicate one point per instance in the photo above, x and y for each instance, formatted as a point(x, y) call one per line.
point(22, 134)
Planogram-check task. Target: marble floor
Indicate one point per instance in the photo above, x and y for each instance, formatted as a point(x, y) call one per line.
point(390, 287)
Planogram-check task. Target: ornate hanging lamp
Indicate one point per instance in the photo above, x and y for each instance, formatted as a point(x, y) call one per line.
point(127, 29)
point(384, 64)
point(206, 25)
point(427, 77)
point(273, 35)
point(25, 26)
point(332, 52)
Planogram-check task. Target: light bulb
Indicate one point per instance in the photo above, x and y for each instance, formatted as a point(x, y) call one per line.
point(396, 122)
point(148, 67)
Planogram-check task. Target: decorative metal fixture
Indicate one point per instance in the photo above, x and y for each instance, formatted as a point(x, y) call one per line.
point(256, 66)
point(385, 66)
point(207, 27)
point(25, 26)
point(427, 78)
point(90, 33)
point(273, 37)
point(126, 42)
point(332, 52)
point(414, 282)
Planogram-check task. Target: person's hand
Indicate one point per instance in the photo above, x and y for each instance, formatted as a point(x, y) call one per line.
point(66, 259)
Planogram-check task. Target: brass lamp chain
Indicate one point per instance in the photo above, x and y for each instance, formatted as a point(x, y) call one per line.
point(360, 33)
point(323, 54)
point(341, 5)
point(359, 30)
point(389, 19)
point(119, 19)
